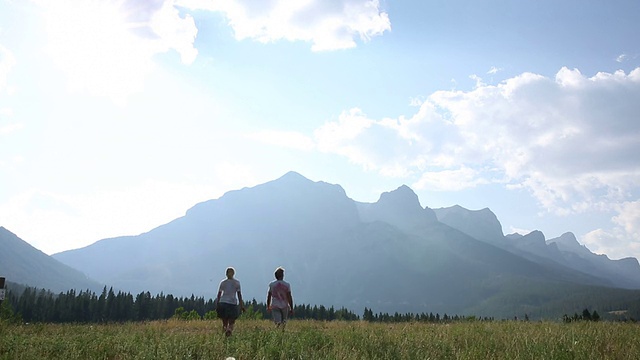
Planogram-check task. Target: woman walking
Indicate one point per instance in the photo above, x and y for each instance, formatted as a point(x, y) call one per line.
point(229, 301)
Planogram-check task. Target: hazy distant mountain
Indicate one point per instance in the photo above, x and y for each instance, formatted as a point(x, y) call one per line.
point(564, 251)
point(22, 263)
point(623, 273)
point(480, 224)
point(400, 208)
point(391, 255)
point(255, 229)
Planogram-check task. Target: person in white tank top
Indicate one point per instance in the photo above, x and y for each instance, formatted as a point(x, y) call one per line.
point(229, 301)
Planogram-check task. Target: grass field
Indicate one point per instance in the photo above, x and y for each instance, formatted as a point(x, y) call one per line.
point(258, 339)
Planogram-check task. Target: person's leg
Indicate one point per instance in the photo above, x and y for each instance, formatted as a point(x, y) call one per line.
point(235, 313)
point(285, 316)
point(222, 315)
point(277, 316)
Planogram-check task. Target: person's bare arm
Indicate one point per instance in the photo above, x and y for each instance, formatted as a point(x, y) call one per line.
point(269, 301)
point(290, 300)
point(240, 301)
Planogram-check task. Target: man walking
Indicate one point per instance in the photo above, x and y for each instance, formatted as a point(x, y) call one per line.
point(279, 299)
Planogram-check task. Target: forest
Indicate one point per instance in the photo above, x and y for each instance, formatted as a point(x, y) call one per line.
point(32, 305)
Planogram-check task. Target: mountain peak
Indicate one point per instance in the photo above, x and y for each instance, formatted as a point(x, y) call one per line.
point(536, 234)
point(479, 224)
point(568, 242)
point(402, 196)
point(292, 175)
point(533, 239)
point(568, 238)
point(400, 208)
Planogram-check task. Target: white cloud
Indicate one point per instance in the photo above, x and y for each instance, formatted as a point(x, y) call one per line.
point(348, 127)
point(329, 25)
point(622, 58)
point(450, 180)
point(356, 137)
point(628, 219)
point(615, 243)
point(175, 32)
point(106, 47)
point(494, 70)
point(572, 140)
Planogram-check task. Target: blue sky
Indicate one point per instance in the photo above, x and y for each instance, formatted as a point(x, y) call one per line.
point(118, 116)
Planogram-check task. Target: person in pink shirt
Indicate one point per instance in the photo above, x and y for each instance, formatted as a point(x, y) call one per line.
point(279, 299)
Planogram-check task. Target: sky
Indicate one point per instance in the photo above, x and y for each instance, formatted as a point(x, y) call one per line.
point(117, 116)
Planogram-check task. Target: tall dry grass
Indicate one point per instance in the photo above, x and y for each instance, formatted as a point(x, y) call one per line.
point(258, 339)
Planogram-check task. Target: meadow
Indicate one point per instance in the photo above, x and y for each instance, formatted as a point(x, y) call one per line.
point(310, 339)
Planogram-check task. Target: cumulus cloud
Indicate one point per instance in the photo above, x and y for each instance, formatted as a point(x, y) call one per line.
point(174, 32)
point(624, 238)
point(571, 140)
point(329, 25)
point(357, 137)
point(629, 218)
point(450, 180)
point(106, 47)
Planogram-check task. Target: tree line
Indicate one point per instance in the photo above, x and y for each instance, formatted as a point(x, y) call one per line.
point(370, 316)
point(586, 316)
point(40, 305)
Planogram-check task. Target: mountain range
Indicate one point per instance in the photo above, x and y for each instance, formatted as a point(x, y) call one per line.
point(391, 255)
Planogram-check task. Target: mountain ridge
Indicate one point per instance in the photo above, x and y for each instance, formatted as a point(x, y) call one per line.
point(563, 251)
point(391, 255)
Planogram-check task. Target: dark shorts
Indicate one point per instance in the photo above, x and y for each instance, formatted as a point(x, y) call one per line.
point(227, 311)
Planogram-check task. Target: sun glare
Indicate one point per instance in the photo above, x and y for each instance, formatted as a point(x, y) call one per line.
point(93, 42)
